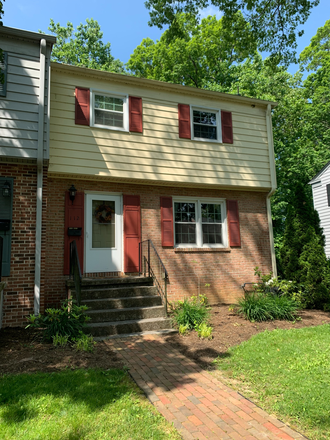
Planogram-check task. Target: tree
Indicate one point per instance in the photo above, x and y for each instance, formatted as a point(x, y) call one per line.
point(302, 255)
point(84, 47)
point(203, 53)
point(274, 23)
point(1, 12)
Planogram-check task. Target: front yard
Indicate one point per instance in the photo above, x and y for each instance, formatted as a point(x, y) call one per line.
point(287, 373)
point(78, 395)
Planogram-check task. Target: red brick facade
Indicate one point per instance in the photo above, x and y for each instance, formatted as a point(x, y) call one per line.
point(218, 273)
point(19, 292)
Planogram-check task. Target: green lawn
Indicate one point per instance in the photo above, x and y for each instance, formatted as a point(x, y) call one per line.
point(78, 405)
point(288, 372)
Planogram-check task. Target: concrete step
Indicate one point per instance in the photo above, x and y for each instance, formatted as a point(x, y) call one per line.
point(113, 282)
point(116, 292)
point(132, 313)
point(122, 303)
point(127, 327)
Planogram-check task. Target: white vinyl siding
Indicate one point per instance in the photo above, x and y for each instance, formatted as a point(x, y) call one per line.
point(320, 198)
point(158, 155)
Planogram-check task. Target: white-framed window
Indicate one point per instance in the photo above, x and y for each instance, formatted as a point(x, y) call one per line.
point(109, 110)
point(205, 124)
point(200, 222)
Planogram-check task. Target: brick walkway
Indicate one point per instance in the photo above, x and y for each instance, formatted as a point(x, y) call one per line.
point(200, 406)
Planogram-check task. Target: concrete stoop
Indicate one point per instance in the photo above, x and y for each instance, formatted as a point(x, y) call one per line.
point(122, 306)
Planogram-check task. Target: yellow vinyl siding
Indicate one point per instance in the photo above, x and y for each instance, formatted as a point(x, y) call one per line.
point(157, 154)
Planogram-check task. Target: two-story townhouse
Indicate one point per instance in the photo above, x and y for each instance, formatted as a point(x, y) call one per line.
point(190, 169)
point(24, 155)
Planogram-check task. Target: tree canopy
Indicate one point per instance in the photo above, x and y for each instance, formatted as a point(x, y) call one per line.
point(274, 23)
point(203, 53)
point(84, 47)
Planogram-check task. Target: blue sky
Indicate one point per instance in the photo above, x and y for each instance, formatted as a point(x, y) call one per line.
point(124, 23)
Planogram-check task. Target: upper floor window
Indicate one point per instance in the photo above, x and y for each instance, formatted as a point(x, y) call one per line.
point(3, 74)
point(206, 124)
point(110, 111)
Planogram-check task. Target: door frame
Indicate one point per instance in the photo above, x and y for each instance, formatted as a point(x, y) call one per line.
point(102, 194)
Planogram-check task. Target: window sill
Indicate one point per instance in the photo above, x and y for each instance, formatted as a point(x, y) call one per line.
point(105, 127)
point(200, 250)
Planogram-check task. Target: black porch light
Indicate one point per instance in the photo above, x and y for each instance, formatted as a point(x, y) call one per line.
point(6, 189)
point(72, 193)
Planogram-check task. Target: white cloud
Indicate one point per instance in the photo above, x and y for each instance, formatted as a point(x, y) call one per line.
point(211, 10)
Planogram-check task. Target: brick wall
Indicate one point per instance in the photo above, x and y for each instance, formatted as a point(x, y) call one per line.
point(19, 292)
point(217, 273)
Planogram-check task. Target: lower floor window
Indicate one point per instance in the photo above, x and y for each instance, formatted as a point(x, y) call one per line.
point(200, 223)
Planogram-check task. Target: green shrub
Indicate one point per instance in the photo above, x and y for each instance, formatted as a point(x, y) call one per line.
point(60, 341)
point(264, 307)
point(190, 313)
point(183, 330)
point(302, 255)
point(204, 331)
point(68, 320)
point(84, 342)
point(200, 299)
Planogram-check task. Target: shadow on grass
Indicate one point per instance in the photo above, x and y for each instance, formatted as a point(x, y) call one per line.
point(27, 396)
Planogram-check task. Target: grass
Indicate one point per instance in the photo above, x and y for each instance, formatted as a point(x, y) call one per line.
point(263, 307)
point(78, 405)
point(288, 373)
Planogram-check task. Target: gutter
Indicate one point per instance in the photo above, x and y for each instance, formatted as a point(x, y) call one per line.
point(40, 162)
point(273, 183)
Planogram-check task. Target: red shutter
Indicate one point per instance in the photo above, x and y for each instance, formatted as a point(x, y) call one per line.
point(132, 233)
point(166, 215)
point(82, 106)
point(74, 218)
point(184, 121)
point(227, 127)
point(233, 223)
point(135, 114)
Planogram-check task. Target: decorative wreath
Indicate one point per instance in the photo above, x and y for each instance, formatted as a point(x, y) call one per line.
point(103, 213)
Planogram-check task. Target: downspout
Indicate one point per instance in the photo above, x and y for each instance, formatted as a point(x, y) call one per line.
point(273, 184)
point(40, 162)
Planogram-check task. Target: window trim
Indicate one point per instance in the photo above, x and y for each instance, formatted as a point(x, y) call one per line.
point(199, 234)
point(218, 125)
point(124, 97)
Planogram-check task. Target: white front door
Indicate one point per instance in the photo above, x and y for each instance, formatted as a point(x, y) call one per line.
point(103, 245)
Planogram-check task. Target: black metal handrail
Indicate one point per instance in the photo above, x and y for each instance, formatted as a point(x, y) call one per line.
point(1, 248)
point(75, 271)
point(151, 264)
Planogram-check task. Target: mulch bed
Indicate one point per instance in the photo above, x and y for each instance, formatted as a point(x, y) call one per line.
point(230, 329)
point(22, 351)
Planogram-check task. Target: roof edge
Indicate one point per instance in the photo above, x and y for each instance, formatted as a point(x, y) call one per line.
point(152, 83)
point(20, 33)
point(314, 179)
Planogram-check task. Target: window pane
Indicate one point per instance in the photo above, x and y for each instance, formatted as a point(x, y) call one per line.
point(109, 103)
point(205, 132)
point(103, 224)
point(109, 119)
point(185, 233)
point(212, 233)
point(207, 118)
point(184, 212)
point(211, 213)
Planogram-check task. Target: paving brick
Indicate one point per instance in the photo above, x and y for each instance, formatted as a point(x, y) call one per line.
point(198, 405)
